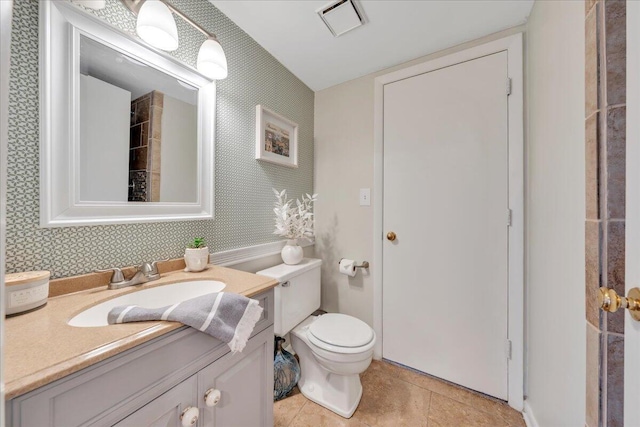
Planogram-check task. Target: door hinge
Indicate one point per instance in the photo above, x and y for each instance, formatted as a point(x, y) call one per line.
point(509, 217)
point(509, 349)
point(508, 86)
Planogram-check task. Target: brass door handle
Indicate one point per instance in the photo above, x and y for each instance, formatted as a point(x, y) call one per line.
point(610, 301)
point(391, 236)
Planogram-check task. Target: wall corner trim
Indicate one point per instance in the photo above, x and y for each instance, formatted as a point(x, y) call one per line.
point(529, 417)
point(251, 253)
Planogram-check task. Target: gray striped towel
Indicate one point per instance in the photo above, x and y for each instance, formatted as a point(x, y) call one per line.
point(226, 316)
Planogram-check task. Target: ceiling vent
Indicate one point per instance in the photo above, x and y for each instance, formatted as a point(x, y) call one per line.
point(341, 16)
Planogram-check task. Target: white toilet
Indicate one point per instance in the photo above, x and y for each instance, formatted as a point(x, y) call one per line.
point(333, 348)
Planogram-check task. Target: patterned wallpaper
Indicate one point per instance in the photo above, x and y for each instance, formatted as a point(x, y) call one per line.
point(244, 199)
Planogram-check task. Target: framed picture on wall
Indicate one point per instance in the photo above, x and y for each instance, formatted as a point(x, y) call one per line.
point(276, 138)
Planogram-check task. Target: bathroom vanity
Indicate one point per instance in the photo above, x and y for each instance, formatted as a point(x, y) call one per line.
point(144, 373)
point(181, 377)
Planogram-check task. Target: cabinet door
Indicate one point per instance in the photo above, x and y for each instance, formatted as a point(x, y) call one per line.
point(165, 410)
point(245, 383)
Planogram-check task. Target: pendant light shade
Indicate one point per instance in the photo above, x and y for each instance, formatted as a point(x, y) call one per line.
point(212, 61)
point(156, 25)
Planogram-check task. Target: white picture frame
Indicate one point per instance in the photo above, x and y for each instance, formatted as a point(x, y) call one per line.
point(276, 138)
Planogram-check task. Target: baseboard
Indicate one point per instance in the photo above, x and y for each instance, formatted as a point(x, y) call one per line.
point(529, 417)
point(250, 253)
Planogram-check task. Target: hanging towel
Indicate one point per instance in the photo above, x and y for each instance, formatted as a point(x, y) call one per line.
point(226, 316)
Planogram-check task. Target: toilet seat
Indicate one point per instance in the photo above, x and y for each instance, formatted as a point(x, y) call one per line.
point(340, 333)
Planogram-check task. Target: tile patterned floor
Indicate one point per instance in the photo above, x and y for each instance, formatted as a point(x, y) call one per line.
point(395, 396)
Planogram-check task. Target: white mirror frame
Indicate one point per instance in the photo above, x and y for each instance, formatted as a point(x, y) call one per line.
point(61, 25)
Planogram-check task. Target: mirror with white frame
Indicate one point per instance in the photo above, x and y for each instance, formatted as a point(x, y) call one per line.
point(127, 131)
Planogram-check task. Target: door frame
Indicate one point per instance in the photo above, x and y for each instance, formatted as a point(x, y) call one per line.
point(6, 13)
point(513, 46)
point(632, 222)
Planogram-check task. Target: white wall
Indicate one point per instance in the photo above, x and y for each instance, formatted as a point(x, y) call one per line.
point(104, 132)
point(555, 206)
point(178, 170)
point(343, 165)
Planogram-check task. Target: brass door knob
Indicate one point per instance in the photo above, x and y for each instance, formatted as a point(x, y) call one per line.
point(391, 236)
point(610, 301)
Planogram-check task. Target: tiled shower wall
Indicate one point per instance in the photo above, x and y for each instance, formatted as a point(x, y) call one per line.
point(145, 141)
point(243, 196)
point(605, 120)
point(139, 142)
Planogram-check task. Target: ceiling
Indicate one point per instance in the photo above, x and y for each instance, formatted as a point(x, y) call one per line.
point(396, 31)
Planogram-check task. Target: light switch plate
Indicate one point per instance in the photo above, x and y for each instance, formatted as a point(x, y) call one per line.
point(365, 197)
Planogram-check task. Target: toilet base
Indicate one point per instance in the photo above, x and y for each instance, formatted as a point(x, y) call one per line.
point(338, 393)
point(334, 384)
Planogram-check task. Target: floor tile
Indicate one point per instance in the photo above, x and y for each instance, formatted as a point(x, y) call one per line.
point(286, 409)
point(313, 415)
point(389, 401)
point(397, 396)
point(457, 393)
point(445, 412)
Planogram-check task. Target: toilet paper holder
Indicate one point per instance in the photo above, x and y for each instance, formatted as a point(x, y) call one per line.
point(365, 264)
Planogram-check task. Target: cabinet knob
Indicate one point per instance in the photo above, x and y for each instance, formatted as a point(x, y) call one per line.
point(391, 236)
point(212, 397)
point(189, 416)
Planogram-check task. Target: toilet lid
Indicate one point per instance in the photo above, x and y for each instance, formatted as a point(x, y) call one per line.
point(341, 330)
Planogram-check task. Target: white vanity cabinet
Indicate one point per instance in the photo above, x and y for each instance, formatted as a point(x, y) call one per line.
point(154, 383)
point(166, 410)
point(231, 391)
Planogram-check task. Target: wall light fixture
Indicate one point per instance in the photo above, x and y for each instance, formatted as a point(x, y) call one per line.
point(156, 26)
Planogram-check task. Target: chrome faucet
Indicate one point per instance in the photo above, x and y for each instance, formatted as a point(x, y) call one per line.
point(150, 270)
point(146, 272)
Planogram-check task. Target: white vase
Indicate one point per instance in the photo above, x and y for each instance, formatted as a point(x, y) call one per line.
point(196, 259)
point(292, 253)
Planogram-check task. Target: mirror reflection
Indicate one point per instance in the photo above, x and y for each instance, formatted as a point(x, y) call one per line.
point(138, 130)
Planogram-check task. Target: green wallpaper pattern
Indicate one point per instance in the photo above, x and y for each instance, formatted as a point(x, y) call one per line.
point(244, 199)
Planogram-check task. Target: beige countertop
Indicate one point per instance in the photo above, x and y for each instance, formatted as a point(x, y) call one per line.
point(40, 347)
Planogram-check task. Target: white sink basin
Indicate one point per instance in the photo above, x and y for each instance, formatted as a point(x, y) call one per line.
point(148, 298)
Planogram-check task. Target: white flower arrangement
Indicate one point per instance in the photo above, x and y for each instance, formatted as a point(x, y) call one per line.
point(294, 222)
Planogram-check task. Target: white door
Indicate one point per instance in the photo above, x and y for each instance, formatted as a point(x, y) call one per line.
point(105, 126)
point(632, 274)
point(445, 276)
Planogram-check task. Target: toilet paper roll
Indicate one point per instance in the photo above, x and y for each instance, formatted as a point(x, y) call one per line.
point(348, 267)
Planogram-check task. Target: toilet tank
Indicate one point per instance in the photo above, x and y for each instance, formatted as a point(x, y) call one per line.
point(298, 294)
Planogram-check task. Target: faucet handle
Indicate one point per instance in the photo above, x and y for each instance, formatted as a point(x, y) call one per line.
point(116, 276)
point(154, 265)
point(150, 269)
